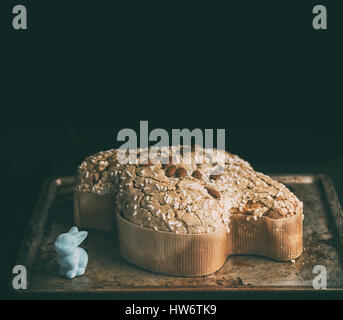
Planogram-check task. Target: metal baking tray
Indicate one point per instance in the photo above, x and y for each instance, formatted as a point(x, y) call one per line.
point(107, 272)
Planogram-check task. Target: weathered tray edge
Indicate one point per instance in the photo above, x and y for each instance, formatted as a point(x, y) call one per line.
point(36, 226)
point(334, 204)
point(212, 289)
point(37, 223)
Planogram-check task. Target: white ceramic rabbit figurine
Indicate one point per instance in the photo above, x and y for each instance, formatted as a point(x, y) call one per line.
point(72, 259)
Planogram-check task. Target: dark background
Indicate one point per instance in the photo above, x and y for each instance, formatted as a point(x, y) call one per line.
point(84, 70)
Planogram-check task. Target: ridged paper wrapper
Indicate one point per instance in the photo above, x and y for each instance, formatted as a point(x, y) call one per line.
point(94, 211)
point(191, 255)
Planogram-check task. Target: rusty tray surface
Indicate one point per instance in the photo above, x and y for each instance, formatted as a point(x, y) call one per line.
point(108, 272)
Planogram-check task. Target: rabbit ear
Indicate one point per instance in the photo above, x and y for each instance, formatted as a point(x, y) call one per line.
point(81, 236)
point(74, 230)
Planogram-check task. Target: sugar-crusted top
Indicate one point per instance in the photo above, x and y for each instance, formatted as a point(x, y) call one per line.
point(183, 196)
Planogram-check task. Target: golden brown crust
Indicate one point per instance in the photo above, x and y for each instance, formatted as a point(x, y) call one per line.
point(186, 197)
